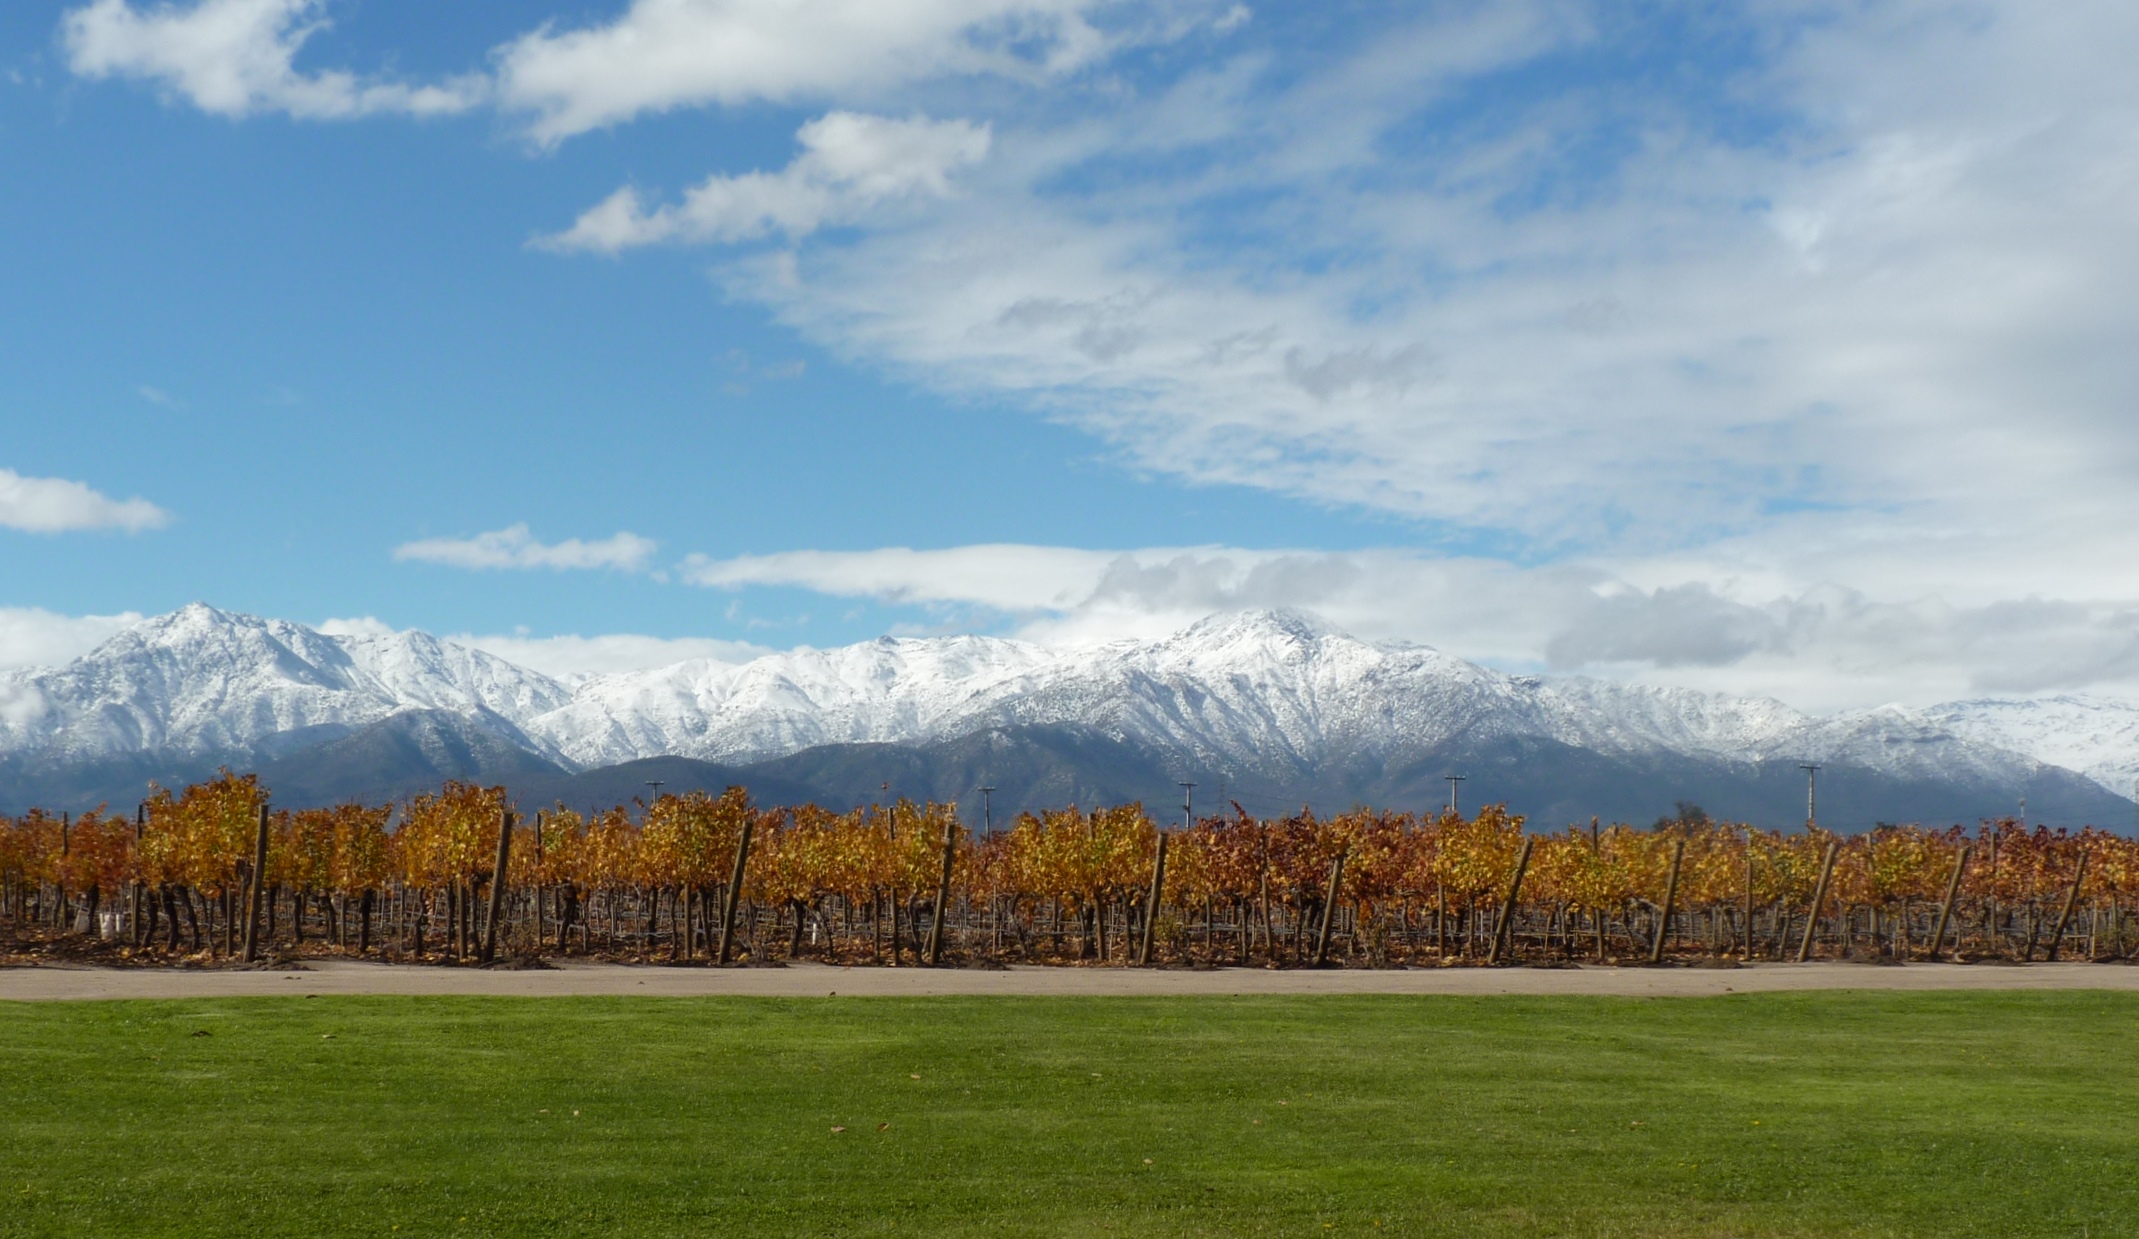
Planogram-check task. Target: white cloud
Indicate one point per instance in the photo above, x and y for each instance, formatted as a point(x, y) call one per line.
point(1006, 578)
point(56, 505)
point(357, 626)
point(237, 58)
point(1822, 647)
point(850, 163)
point(663, 54)
point(34, 637)
point(1872, 355)
point(569, 656)
point(1656, 363)
point(516, 547)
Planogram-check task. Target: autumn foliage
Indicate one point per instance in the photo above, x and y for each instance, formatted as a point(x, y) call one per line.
point(1063, 884)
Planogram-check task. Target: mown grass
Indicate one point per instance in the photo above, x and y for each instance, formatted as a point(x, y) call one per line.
point(1996, 1114)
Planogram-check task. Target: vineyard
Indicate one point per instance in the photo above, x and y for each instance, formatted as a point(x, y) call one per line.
point(216, 873)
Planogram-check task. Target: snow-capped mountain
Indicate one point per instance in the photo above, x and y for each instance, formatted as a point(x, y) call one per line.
point(1265, 692)
point(1275, 696)
point(201, 680)
point(895, 690)
point(2097, 736)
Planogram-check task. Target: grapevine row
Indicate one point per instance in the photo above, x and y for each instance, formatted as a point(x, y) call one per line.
point(906, 883)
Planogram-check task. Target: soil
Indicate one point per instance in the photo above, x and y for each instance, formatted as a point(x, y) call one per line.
point(81, 980)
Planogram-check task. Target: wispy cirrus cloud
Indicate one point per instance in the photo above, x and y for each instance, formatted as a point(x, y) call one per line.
point(238, 58)
point(664, 54)
point(516, 546)
point(60, 505)
point(1006, 578)
point(851, 165)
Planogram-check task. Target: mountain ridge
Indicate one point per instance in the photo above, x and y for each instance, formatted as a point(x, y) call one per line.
point(1272, 699)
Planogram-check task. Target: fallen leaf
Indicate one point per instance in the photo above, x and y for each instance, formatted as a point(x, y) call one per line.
point(837, 1129)
point(1147, 1161)
point(882, 1126)
point(326, 1036)
point(913, 1077)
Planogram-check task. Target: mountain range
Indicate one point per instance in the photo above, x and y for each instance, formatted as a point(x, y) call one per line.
point(1273, 709)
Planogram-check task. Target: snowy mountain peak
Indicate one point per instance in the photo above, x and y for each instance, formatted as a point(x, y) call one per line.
point(1279, 624)
point(202, 680)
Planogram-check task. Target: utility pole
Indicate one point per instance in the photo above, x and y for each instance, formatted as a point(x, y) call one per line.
point(656, 784)
point(1812, 778)
point(2023, 813)
point(987, 818)
point(1453, 780)
point(1188, 811)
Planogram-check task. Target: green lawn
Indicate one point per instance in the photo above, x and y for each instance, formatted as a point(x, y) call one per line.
point(1843, 1113)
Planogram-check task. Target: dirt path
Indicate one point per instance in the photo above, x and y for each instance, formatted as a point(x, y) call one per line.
point(324, 977)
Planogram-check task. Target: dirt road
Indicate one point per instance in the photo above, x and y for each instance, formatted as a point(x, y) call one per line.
point(323, 977)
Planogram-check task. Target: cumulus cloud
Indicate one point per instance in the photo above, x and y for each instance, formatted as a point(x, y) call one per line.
point(663, 54)
point(516, 547)
point(850, 163)
point(34, 637)
point(57, 505)
point(238, 58)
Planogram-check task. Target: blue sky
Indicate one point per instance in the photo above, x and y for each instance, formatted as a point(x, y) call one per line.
point(1769, 346)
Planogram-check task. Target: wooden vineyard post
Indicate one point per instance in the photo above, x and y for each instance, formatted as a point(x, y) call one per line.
point(2064, 918)
point(497, 888)
point(140, 935)
point(943, 896)
point(1329, 905)
point(1671, 899)
point(1749, 894)
point(1945, 908)
point(1819, 897)
point(734, 895)
point(1504, 924)
point(256, 883)
point(1151, 903)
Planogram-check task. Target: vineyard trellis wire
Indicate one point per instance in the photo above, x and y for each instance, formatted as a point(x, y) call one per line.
point(906, 883)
